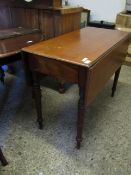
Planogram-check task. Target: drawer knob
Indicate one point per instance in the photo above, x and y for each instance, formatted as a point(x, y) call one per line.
point(28, 42)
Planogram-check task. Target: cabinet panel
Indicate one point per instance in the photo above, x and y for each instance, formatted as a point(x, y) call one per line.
point(5, 18)
point(23, 17)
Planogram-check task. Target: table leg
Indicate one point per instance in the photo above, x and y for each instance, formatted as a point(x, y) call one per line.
point(81, 105)
point(37, 97)
point(2, 75)
point(61, 87)
point(80, 120)
point(2, 158)
point(117, 73)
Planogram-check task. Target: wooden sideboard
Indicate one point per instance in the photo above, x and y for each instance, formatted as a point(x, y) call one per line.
point(48, 16)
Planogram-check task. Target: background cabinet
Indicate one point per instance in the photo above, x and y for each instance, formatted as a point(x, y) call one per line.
point(123, 23)
point(47, 15)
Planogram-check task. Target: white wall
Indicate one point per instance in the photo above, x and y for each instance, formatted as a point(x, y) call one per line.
point(101, 9)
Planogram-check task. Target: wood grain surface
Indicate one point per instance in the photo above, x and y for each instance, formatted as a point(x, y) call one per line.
point(12, 40)
point(91, 43)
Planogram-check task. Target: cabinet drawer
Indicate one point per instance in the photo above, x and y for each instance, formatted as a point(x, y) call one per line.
point(16, 43)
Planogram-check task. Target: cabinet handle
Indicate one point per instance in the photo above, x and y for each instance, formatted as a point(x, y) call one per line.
point(28, 42)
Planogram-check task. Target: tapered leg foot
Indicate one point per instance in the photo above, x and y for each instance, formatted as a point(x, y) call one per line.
point(40, 125)
point(78, 143)
point(113, 93)
point(62, 87)
point(80, 122)
point(4, 163)
point(116, 77)
point(2, 159)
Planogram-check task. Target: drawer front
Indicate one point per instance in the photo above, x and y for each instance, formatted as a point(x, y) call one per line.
point(17, 43)
point(55, 68)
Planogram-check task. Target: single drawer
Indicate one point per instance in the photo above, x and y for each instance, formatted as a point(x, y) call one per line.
point(55, 68)
point(15, 44)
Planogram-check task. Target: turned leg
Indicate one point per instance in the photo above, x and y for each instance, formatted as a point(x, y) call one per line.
point(2, 158)
point(40, 76)
point(2, 75)
point(80, 119)
point(61, 87)
point(37, 97)
point(82, 76)
point(117, 73)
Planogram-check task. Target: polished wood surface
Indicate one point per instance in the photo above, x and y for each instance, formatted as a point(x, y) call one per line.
point(91, 43)
point(62, 57)
point(15, 32)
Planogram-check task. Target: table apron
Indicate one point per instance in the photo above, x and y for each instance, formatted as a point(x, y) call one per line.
point(58, 69)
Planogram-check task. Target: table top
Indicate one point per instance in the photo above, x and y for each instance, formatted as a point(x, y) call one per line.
point(82, 47)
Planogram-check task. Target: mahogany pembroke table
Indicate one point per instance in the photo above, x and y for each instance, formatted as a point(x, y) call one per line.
point(88, 57)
